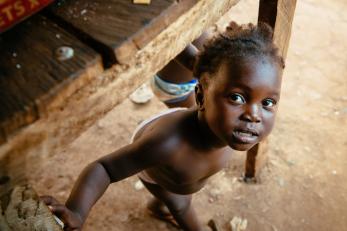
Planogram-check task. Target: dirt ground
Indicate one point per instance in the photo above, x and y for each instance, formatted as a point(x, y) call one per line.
point(303, 184)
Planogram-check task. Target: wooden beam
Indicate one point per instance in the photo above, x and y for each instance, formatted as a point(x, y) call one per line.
point(279, 15)
point(50, 135)
point(118, 28)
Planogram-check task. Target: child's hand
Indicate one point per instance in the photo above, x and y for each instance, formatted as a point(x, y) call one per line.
point(72, 221)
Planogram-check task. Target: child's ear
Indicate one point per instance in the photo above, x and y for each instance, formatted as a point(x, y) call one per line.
point(199, 97)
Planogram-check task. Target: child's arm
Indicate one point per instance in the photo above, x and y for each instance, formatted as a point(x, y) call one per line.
point(187, 57)
point(95, 178)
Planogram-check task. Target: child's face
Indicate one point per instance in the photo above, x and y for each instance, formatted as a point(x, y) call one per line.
point(240, 101)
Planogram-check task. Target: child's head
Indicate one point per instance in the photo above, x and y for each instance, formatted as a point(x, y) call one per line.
point(239, 74)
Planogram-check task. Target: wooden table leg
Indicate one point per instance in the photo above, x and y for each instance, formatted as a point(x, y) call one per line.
point(256, 158)
point(279, 15)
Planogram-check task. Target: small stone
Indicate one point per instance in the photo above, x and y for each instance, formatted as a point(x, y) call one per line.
point(138, 185)
point(211, 200)
point(83, 12)
point(334, 172)
point(280, 181)
point(215, 192)
point(142, 95)
point(14, 54)
point(64, 53)
point(18, 66)
point(58, 36)
point(233, 180)
point(238, 224)
point(315, 95)
point(308, 149)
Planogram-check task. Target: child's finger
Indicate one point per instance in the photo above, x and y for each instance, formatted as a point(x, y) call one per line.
point(66, 216)
point(59, 210)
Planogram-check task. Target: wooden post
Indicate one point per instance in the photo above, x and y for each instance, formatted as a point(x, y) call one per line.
point(279, 15)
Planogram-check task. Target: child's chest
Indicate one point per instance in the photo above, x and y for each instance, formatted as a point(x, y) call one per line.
point(188, 171)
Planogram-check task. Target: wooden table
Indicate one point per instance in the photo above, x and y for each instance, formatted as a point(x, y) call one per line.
point(46, 102)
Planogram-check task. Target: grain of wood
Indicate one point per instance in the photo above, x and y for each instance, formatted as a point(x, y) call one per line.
point(32, 80)
point(119, 28)
point(283, 26)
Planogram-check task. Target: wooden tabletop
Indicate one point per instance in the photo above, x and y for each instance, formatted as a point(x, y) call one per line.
point(119, 28)
point(35, 82)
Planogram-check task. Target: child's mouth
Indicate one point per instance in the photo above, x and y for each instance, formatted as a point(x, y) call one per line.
point(245, 136)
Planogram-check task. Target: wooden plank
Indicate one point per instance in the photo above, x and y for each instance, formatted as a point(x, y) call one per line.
point(32, 79)
point(118, 28)
point(49, 136)
point(283, 26)
point(279, 15)
point(21, 209)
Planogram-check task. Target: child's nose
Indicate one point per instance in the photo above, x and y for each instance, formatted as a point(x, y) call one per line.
point(252, 114)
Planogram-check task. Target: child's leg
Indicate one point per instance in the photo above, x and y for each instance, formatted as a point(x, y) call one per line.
point(179, 206)
point(175, 72)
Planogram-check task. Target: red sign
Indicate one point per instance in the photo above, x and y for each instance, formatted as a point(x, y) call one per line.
point(14, 11)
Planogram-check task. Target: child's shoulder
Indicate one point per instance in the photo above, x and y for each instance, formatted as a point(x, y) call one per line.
point(168, 130)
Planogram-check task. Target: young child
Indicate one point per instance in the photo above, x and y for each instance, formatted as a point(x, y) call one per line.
point(239, 74)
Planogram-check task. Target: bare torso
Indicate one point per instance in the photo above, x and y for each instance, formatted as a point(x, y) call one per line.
point(191, 162)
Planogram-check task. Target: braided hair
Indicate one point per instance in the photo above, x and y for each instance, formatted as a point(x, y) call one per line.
point(237, 42)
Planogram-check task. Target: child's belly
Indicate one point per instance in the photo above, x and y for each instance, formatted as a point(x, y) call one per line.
point(188, 186)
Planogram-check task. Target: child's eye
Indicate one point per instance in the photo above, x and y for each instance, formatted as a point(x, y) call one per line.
point(269, 103)
point(237, 98)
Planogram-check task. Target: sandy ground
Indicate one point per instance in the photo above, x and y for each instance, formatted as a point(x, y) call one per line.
point(302, 186)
